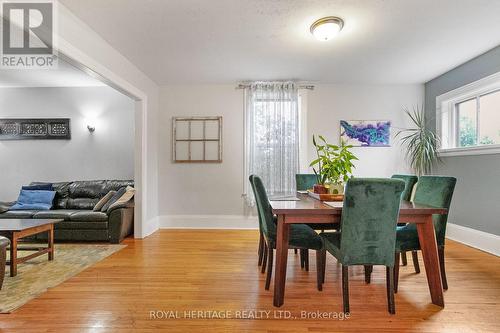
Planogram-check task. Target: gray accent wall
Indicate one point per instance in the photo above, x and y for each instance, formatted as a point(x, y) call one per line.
point(476, 202)
point(108, 153)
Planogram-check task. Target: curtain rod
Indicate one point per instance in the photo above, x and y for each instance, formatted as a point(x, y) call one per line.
point(308, 87)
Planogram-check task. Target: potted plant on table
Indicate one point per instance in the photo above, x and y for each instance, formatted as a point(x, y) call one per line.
point(334, 166)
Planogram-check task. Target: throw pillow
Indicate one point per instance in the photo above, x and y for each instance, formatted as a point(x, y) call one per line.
point(104, 199)
point(39, 187)
point(129, 194)
point(5, 206)
point(113, 199)
point(36, 200)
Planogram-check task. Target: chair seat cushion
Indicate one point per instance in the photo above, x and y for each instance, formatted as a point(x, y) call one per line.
point(56, 214)
point(302, 236)
point(407, 238)
point(88, 215)
point(18, 214)
point(332, 242)
point(324, 226)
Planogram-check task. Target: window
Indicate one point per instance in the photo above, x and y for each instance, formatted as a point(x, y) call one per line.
point(272, 136)
point(469, 118)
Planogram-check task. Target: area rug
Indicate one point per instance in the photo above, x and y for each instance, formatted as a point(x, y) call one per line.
point(37, 275)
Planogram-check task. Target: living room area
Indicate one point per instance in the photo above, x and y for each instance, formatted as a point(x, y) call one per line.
point(250, 166)
point(67, 147)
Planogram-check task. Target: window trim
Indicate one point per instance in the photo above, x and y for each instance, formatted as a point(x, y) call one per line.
point(447, 102)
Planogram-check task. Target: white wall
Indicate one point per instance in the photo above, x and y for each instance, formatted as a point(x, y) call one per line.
point(203, 195)
point(78, 41)
point(108, 153)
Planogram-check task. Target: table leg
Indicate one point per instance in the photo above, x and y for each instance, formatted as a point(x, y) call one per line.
point(281, 261)
point(427, 238)
point(51, 242)
point(13, 255)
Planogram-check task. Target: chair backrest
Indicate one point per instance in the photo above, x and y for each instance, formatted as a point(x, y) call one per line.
point(305, 181)
point(266, 217)
point(369, 217)
point(410, 181)
point(436, 191)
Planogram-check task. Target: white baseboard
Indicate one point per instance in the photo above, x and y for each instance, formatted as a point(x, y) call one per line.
point(478, 239)
point(207, 222)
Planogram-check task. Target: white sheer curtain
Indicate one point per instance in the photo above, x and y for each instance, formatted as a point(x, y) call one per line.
point(272, 137)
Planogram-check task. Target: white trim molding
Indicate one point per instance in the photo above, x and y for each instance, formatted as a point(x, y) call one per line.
point(208, 222)
point(478, 239)
point(446, 117)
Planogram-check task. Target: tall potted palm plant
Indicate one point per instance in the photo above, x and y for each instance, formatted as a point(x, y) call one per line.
point(420, 143)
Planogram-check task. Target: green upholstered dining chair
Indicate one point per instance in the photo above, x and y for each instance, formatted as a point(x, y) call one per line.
point(305, 181)
point(434, 191)
point(410, 181)
point(367, 234)
point(301, 235)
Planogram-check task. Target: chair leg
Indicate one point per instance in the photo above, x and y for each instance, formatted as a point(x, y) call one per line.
point(261, 248)
point(323, 262)
point(389, 276)
point(442, 268)
point(345, 288)
point(295, 251)
point(306, 260)
point(368, 273)
point(301, 256)
point(269, 268)
point(396, 271)
point(264, 260)
point(319, 269)
point(404, 260)
point(414, 257)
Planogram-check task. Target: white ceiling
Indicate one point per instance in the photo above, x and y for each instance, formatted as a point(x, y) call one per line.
point(65, 75)
point(226, 41)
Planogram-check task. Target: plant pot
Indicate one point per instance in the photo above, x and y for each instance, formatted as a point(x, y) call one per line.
point(320, 189)
point(336, 189)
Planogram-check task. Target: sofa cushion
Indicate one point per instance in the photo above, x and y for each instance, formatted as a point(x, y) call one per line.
point(86, 189)
point(126, 197)
point(55, 214)
point(88, 215)
point(80, 225)
point(82, 203)
point(114, 198)
point(115, 185)
point(102, 202)
point(62, 193)
point(34, 200)
point(18, 214)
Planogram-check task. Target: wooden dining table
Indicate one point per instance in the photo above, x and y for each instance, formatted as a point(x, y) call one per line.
point(310, 210)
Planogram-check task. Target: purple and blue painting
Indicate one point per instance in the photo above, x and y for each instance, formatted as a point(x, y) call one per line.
point(366, 133)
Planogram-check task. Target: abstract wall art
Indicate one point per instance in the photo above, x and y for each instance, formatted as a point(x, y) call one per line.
point(35, 129)
point(366, 133)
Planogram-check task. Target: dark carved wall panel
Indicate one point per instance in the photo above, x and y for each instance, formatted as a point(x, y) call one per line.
point(35, 129)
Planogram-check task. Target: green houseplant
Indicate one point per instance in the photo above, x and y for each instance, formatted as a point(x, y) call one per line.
point(419, 142)
point(333, 165)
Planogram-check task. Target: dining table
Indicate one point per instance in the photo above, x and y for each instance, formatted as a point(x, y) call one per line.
point(306, 209)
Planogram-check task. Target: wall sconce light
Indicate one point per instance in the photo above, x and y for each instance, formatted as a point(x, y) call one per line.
point(91, 128)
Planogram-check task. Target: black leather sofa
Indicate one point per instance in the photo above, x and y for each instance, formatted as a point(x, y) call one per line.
point(74, 202)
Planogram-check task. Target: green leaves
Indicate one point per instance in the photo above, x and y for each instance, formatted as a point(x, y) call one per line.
point(420, 143)
point(334, 162)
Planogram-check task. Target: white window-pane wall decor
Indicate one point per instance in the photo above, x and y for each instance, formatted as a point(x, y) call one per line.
point(272, 136)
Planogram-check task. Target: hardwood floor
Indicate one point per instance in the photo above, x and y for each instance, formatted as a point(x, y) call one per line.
point(191, 270)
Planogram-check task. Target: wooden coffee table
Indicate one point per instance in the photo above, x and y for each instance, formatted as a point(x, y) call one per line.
point(15, 229)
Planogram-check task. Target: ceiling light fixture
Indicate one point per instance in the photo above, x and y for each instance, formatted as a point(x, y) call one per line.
point(327, 28)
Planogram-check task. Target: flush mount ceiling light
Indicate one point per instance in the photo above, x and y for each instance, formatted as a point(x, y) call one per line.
point(327, 28)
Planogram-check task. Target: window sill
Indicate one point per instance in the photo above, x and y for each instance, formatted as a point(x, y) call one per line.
point(466, 151)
